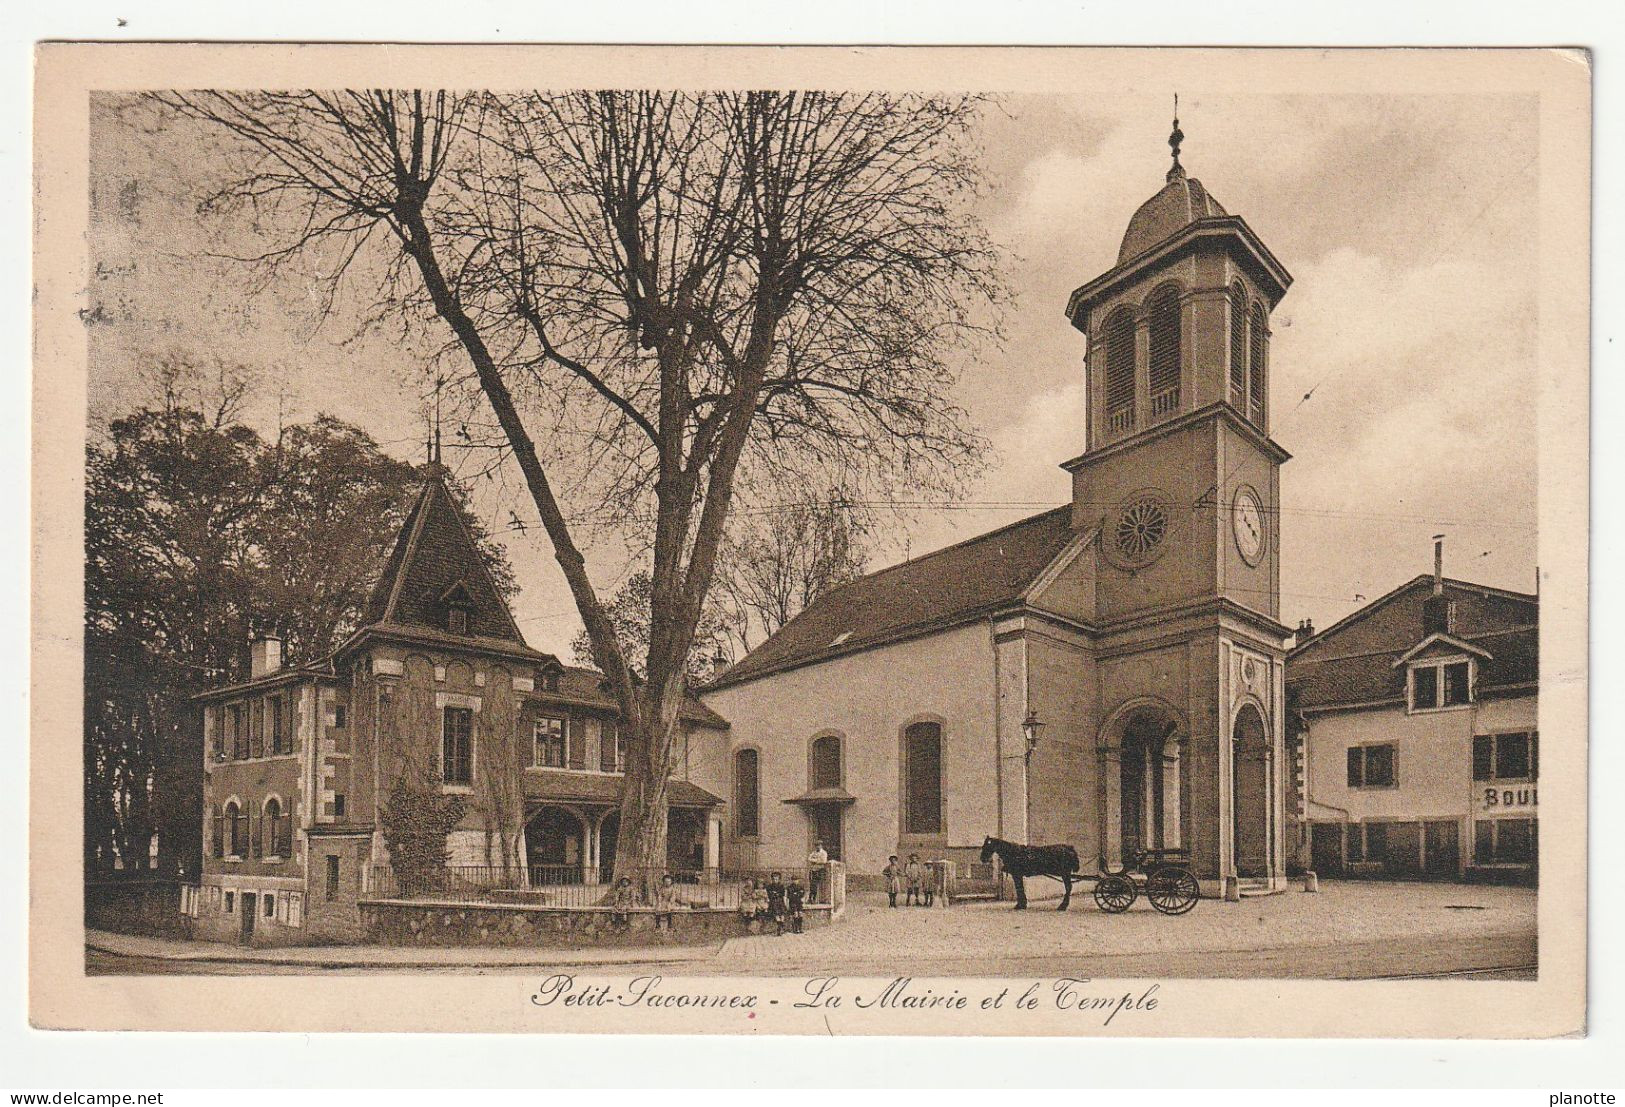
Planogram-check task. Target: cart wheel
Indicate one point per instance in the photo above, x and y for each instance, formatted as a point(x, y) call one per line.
point(1172, 890)
point(1115, 894)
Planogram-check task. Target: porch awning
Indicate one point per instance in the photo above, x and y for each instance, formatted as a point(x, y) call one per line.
point(825, 795)
point(562, 786)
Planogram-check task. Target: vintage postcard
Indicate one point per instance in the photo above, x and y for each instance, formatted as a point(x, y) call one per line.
point(810, 541)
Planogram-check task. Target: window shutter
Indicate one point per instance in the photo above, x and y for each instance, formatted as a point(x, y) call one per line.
point(1483, 757)
point(1356, 767)
point(1165, 351)
point(1119, 340)
point(1257, 347)
point(219, 832)
point(608, 736)
point(1534, 755)
point(1238, 348)
point(576, 741)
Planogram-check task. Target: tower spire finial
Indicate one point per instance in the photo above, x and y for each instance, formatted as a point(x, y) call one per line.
point(1174, 139)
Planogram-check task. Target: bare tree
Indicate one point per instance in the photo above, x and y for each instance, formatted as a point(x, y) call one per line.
point(706, 283)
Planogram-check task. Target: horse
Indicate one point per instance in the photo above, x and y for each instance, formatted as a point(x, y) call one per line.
point(1059, 862)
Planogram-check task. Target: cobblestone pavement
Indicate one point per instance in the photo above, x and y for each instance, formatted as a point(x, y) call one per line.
point(1342, 913)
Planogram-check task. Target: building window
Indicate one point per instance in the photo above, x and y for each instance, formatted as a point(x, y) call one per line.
point(1164, 323)
point(231, 903)
point(457, 620)
point(278, 830)
point(281, 733)
point(234, 731)
point(1505, 841)
point(1446, 685)
point(1119, 341)
point(1238, 348)
point(332, 876)
point(1506, 756)
point(217, 744)
point(457, 745)
point(548, 744)
point(338, 805)
point(270, 905)
point(1257, 345)
point(747, 794)
point(338, 716)
point(922, 779)
point(1368, 842)
point(826, 762)
point(237, 831)
point(611, 747)
point(1372, 767)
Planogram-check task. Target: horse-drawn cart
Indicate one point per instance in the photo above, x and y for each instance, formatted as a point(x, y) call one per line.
point(1164, 875)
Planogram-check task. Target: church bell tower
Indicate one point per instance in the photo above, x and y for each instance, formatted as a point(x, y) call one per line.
point(1179, 483)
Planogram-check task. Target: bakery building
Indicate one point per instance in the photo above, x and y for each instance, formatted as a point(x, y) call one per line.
point(1109, 673)
point(439, 686)
point(1416, 744)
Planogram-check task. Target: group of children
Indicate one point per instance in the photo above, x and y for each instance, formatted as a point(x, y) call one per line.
point(623, 897)
point(918, 882)
point(773, 903)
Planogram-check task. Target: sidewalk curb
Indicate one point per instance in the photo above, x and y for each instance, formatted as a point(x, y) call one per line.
point(365, 963)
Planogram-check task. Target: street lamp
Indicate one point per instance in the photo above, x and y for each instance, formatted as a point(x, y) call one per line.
point(1030, 727)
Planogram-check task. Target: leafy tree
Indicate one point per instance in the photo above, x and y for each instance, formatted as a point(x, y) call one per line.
point(199, 532)
point(697, 285)
point(629, 610)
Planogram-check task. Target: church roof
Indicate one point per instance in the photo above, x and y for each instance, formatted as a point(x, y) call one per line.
point(975, 577)
point(436, 562)
point(1181, 202)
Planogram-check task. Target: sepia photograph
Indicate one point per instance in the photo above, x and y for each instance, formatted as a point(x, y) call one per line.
point(821, 534)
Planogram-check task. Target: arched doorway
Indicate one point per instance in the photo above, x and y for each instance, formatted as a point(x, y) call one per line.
point(1141, 767)
point(1149, 783)
point(609, 832)
point(1250, 793)
point(554, 841)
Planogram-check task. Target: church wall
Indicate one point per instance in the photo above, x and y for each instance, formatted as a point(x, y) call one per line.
point(868, 698)
point(1179, 467)
point(1065, 775)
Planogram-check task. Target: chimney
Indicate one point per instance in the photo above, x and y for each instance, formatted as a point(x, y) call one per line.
point(1436, 609)
point(264, 655)
point(1306, 631)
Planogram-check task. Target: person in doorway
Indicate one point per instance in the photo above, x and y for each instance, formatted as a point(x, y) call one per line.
point(621, 899)
point(817, 867)
point(911, 877)
point(775, 902)
point(795, 897)
point(893, 872)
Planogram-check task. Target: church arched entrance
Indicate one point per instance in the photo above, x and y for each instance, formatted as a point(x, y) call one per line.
point(1143, 787)
point(1251, 799)
point(554, 840)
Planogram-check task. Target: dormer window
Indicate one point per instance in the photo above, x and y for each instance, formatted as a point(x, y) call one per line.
point(457, 620)
point(457, 605)
point(1440, 684)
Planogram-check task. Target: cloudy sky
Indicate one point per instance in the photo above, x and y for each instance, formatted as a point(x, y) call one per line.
point(1407, 223)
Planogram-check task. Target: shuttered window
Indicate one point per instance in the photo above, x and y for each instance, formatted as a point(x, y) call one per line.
point(1164, 325)
point(1257, 341)
point(826, 762)
point(747, 794)
point(1238, 348)
point(922, 779)
point(1119, 339)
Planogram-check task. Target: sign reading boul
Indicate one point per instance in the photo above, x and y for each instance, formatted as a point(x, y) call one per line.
point(1500, 799)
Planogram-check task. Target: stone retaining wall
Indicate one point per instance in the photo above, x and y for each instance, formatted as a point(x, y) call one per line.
point(416, 922)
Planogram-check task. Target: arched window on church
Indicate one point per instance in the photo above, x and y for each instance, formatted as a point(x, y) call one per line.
point(1164, 321)
point(826, 762)
point(1118, 335)
point(922, 779)
point(1238, 347)
point(1257, 338)
point(747, 794)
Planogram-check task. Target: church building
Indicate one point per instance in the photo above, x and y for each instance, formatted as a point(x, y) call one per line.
point(1107, 674)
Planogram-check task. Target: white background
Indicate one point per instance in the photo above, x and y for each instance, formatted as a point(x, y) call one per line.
point(133, 1062)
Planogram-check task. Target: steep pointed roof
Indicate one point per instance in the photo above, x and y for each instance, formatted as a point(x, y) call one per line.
point(437, 563)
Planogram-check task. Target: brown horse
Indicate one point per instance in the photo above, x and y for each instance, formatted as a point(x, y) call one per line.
point(1059, 862)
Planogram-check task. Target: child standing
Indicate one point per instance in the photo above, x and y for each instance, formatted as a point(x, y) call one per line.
point(620, 904)
point(893, 873)
point(911, 873)
point(795, 896)
point(775, 901)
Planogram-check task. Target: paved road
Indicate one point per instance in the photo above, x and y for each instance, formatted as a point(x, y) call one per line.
point(1503, 957)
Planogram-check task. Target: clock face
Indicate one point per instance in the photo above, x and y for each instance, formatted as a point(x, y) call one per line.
point(1247, 521)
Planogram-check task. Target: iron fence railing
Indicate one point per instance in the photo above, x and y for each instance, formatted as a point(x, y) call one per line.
point(574, 885)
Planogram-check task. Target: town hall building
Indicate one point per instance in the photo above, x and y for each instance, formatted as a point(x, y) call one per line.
point(1137, 627)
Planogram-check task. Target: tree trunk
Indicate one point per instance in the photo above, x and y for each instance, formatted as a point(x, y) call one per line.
point(640, 849)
